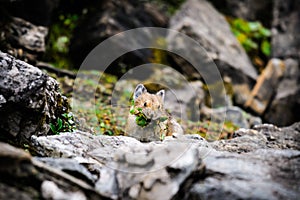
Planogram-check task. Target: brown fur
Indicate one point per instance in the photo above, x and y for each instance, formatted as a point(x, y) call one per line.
point(152, 106)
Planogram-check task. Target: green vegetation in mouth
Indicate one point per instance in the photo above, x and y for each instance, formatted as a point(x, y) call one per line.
point(141, 119)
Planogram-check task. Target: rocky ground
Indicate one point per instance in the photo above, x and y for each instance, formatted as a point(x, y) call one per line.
point(259, 163)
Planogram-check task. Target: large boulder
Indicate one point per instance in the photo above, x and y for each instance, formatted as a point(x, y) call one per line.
point(29, 100)
point(285, 106)
point(200, 21)
point(285, 29)
point(109, 18)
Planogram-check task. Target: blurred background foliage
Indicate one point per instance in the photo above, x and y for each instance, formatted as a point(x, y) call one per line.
point(254, 37)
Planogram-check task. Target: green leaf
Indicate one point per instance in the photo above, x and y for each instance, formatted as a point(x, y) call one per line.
point(53, 128)
point(139, 109)
point(265, 32)
point(266, 47)
point(59, 124)
point(132, 111)
point(162, 119)
point(109, 132)
point(254, 26)
point(142, 123)
point(250, 44)
point(102, 125)
point(242, 25)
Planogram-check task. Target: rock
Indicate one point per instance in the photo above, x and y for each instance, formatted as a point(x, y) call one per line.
point(109, 18)
point(285, 31)
point(250, 10)
point(232, 114)
point(261, 174)
point(38, 12)
point(264, 90)
point(50, 190)
point(25, 178)
point(71, 167)
point(29, 100)
point(259, 163)
point(286, 46)
point(23, 39)
point(184, 103)
point(200, 21)
point(129, 168)
point(285, 106)
point(263, 136)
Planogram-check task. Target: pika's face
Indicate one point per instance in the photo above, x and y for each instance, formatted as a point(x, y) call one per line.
point(151, 105)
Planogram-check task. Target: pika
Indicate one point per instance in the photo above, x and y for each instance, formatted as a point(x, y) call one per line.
point(148, 120)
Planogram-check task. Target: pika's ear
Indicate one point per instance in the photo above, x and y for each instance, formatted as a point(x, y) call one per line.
point(140, 89)
point(161, 93)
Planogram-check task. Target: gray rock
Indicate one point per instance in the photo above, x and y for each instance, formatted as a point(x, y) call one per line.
point(250, 10)
point(200, 21)
point(110, 18)
point(25, 178)
point(285, 29)
point(50, 190)
point(184, 102)
point(259, 163)
point(71, 167)
point(261, 174)
point(232, 114)
point(23, 39)
point(265, 87)
point(27, 35)
point(262, 136)
point(129, 168)
point(285, 106)
point(29, 99)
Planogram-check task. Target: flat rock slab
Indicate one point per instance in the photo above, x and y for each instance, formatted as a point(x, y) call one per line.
point(261, 174)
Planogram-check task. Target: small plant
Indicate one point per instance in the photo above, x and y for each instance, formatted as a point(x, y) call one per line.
point(254, 37)
point(64, 124)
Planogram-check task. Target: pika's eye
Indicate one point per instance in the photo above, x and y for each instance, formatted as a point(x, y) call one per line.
point(145, 104)
point(158, 107)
